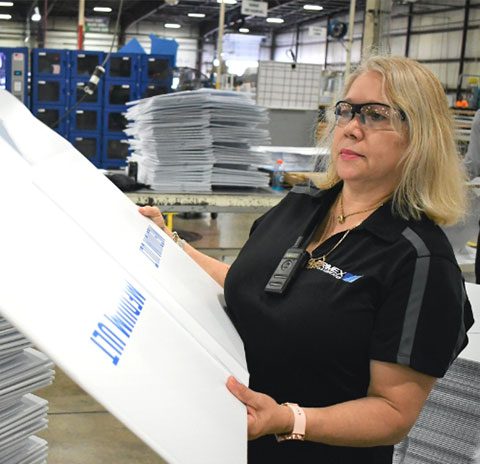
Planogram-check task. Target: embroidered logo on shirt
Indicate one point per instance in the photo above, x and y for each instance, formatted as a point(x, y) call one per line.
point(334, 271)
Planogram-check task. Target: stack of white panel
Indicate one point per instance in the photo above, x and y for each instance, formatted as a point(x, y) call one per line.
point(22, 370)
point(191, 141)
point(448, 429)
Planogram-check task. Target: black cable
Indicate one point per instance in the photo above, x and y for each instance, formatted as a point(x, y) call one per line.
point(92, 84)
point(117, 23)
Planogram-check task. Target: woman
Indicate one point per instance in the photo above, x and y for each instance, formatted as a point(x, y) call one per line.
point(379, 310)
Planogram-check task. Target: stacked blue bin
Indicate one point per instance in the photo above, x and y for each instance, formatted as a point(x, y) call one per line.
point(94, 124)
point(14, 72)
point(86, 116)
point(156, 74)
point(50, 87)
point(120, 87)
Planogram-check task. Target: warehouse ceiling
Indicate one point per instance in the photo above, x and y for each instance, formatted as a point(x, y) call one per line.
point(291, 11)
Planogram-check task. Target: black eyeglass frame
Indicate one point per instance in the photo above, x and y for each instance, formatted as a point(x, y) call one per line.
point(357, 108)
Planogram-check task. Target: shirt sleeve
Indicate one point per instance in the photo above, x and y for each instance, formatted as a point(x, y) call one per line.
point(271, 211)
point(423, 319)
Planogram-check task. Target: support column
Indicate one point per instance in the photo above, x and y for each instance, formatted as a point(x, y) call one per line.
point(377, 27)
point(273, 46)
point(42, 27)
point(297, 40)
point(221, 27)
point(326, 44)
point(351, 25)
point(198, 61)
point(122, 36)
point(464, 45)
point(409, 29)
point(81, 24)
point(371, 29)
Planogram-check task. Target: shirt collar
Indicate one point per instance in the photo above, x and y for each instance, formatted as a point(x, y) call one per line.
point(383, 222)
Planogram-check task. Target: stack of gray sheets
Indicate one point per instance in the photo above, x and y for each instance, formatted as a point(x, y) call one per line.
point(448, 429)
point(190, 141)
point(22, 370)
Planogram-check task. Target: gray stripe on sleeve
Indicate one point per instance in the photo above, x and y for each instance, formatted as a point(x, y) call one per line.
point(415, 298)
point(461, 332)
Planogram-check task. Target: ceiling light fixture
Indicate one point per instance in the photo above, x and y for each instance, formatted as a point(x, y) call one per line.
point(311, 7)
point(172, 26)
point(244, 30)
point(228, 2)
point(196, 15)
point(275, 20)
point(6, 3)
point(36, 16)
point(5, 16)
point(102, 9)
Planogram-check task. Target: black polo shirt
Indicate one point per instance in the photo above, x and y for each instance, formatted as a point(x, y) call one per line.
point(392, 291)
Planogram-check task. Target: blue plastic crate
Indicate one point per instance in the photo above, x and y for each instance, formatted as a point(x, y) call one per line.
point(83, 63)
point(115, 149)
point(87, 101)
point(53, 116)
point(150, 89)
point(49, 91)
point(114, 121)
point(161, 46)
point(14, 72)
point(122, 66)
point(117, 93)
point(87, 120)
point(88, 145)
point(157, 68)
point(50, 62)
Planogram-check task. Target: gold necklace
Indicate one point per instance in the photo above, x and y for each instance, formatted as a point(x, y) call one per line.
point(327, 225)
point(342, 216)
point(318, 263)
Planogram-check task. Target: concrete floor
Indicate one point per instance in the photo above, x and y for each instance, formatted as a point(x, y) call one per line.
point(80, 430)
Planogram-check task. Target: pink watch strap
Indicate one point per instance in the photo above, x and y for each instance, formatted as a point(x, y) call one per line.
point(299, 424)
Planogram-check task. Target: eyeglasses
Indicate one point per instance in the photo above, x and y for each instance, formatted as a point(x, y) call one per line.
point(377, 116)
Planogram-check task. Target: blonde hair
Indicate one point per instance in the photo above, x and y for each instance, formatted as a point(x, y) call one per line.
point(433, 179)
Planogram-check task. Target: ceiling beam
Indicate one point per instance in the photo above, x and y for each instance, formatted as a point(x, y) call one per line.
point(139, 11)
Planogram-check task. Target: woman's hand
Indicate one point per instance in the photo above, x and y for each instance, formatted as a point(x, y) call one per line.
point(154, 214)
point(265, 415)
point(216, 269)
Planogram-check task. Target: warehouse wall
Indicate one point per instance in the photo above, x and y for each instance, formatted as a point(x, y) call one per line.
point(12, 34)
point(312, 49)
point(62, 33)
point(439, 50)
point(186, 38)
